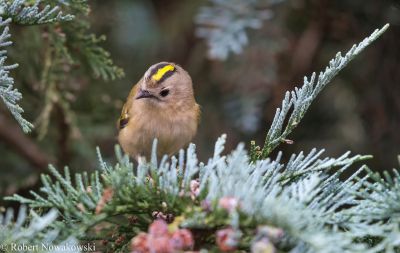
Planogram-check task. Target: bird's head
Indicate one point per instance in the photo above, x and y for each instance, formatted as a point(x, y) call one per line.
point(165, 84)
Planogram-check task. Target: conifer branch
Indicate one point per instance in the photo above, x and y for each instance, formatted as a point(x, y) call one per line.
point(30, 230)
point(23, 13)
point(255, 186)
point(236, 201)
point(296, 103)
point(8, 93)
point(20, 12)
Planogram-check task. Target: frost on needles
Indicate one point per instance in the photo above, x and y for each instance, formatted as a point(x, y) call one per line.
point(296, 102)
point(239, 201)
point(8, 93)
point(19, 12)
point(75, 31)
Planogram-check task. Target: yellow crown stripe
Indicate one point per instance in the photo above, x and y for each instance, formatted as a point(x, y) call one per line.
point(162, 71)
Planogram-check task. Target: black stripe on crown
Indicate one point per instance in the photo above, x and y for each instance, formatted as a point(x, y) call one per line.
point(157, 67)
point(160, 66)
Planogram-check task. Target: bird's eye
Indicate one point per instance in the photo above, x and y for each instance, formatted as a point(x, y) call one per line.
point(164, 93)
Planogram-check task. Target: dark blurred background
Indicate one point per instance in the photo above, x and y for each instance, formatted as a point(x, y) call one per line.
point(239, 92)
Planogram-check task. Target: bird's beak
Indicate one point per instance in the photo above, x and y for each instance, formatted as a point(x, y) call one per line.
point(144, 94)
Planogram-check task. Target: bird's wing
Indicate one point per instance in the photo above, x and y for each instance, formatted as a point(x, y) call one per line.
point(124, 118)
point(198, 113)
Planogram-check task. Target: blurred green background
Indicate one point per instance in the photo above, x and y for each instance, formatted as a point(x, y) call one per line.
point(359, 111)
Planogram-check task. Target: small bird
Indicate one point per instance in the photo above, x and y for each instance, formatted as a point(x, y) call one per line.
point(161, 105)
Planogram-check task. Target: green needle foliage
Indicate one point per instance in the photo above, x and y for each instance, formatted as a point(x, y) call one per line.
point(73, 52)
point(240, 201)
point(86, 44)
point(19, 12)
point(68, 41)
